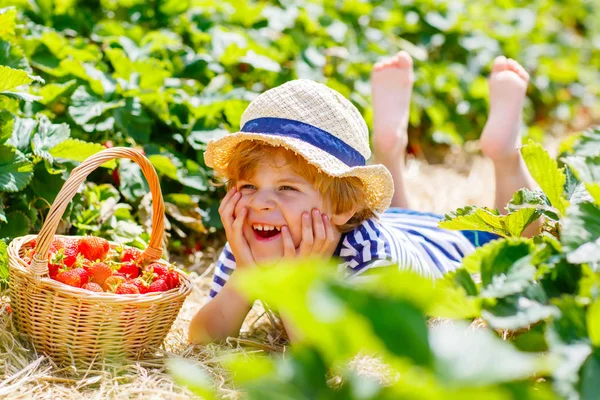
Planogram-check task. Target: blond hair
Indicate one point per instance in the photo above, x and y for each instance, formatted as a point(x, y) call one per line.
point(342, 194)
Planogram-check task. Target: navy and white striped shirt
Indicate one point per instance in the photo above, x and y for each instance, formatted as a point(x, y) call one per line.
point(409, 239)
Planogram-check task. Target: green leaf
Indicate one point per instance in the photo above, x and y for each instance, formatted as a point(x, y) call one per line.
point(47, 136)
point(133, 120)
point(164, 165)
point(86, 106)
point(13, 57)
point(581, 233)
point(505, 266)
point(484, 219)
point(12, 78)
point(594, 190)
point(460, 358)
point(587, 169)
point(53, 91)
point(133, 185)
point(21, 135)
point(17, 225)
point(15, 170)
point(7, 123)
point(46, 185)
point(525, 198)
point(390, 320)
point(190, 375)
point(593, 322)
point(517, 312)
point(8, 22)
point(2, 213)
point(590, 377)
point(588, 143)
point(3, 264)
point(571, 325)
point(78, 150)
point(546, 173)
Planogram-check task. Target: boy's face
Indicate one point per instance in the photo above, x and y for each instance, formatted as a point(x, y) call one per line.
point(275, 196)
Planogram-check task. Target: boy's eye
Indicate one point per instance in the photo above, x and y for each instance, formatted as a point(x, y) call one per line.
point(288, 188)
point(247, 186)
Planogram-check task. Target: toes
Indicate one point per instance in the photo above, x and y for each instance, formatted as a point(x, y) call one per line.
point(518, 69)
point(404, 60)
point(500, 64)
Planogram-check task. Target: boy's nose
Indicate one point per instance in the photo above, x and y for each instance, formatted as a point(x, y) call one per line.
point(262, 201)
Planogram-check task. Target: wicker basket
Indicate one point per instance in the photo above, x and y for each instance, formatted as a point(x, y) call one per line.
point(77, 326)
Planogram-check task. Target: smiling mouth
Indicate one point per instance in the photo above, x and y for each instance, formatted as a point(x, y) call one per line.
point(266, 231)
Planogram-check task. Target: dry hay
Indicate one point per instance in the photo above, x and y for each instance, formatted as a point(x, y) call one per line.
point(464, 180)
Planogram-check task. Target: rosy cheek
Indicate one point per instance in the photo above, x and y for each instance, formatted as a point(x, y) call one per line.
point(243, 202)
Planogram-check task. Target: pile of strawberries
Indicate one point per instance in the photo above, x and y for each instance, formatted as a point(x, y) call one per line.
point(89, 263)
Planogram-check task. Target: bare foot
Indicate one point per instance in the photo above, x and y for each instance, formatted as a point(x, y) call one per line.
point(501, 138)
point(391, 86)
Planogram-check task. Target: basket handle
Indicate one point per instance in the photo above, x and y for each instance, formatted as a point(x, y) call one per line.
point(39, 264)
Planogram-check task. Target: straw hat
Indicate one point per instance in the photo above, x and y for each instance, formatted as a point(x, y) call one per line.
point(317, 123)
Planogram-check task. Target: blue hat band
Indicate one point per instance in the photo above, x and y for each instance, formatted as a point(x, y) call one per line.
point(309, 134)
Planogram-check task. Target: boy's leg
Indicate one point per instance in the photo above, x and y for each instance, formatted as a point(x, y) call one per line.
point(501, 139)
point(391, 85)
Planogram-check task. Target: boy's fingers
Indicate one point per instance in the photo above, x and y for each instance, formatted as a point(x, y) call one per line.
point(289, 250)
point(227, 208)
point(307, 236)
point(329, 237)
point(318, 231)
point(238, 223)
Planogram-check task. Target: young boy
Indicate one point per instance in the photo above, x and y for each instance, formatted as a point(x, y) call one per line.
point(299, 184)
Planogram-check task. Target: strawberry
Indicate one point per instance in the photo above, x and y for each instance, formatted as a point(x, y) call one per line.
point(127, 288)
point(173, 279)
point(70, 253)
point(159, 285)
point(93, 287)
point(112, 283)
point(130, 254)
point(130, 269)
point(141, 284)
point(93, 248)
point(99, 272)
point(69, 277)
point(159, 269)
point(83, 274)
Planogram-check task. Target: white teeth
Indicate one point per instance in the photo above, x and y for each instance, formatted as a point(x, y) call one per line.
point(260, 227)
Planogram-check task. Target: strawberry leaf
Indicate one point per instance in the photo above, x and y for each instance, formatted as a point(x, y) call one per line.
point(581, 233)
point(546, 173)
point(15, 170)
point(78, 150)
point(11, 78)
point(484, 219)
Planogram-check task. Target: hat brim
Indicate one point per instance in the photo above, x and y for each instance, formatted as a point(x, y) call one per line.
point(376, 179)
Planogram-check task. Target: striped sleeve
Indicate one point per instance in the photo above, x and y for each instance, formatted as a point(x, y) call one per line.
point(223, 270)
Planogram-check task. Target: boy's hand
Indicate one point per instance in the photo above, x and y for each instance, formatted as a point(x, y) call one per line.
point(317, 237)
point(233, 228)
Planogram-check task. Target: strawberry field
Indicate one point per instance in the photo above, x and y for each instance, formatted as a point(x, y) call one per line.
point(521, 319)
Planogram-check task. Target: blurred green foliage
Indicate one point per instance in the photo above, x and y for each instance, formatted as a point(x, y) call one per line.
point(169, 75)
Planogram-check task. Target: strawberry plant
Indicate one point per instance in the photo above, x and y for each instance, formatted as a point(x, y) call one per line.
point(541, 294)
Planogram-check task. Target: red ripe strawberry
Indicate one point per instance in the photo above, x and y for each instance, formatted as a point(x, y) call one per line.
point(159, 285)
point(127, 288)
point(112, 283)
point(70, 253)
point(99, 272)
point(173, 279)
point(130, 269)
point(69, 277)
point(94, 287)
point(93, 248)
point(130, 254)
point(140, 284)
point(83, 274)
point(157, 268)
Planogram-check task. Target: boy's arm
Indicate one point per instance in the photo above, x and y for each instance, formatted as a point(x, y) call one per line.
point(221, 317)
